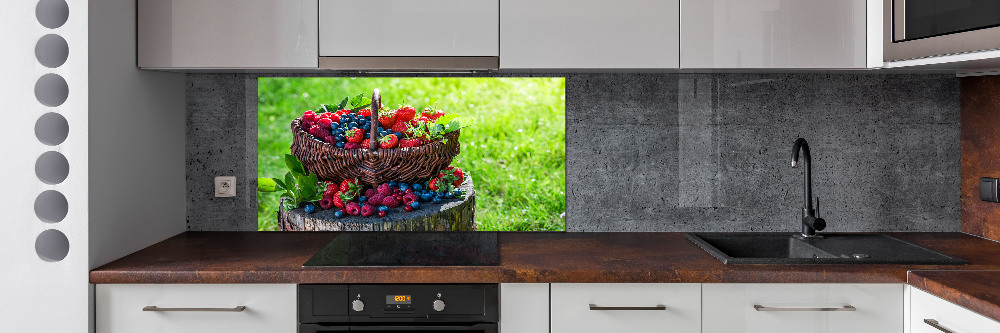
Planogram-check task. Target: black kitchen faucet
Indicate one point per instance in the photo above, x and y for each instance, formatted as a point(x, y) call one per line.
point(810, 222)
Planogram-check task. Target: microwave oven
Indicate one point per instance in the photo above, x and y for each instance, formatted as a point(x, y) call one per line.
point(915, 29)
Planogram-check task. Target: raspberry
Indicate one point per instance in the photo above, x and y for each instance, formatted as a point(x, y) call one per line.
point(330, 139)
point(326, 203)
point(390, 202)
point(352, 145)
point(370, 192)
point(407, 199)
point(385, 190)
point(306, 125)
point(325, 123)
point(367, 210)
point(309, 116)
point(353, 208)
point(376, 199)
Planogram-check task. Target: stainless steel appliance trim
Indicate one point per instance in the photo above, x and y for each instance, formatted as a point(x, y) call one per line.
point(962, 42)
point(759, 307)
point(935, 324)
point(409, 63)
point(158, 309)
point(627, 308)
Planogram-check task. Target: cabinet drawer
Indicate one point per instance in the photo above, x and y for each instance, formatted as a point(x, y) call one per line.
point(948, 315)
point(268, 308)
point(634, 308)
point(409, 28)
point(729, 308)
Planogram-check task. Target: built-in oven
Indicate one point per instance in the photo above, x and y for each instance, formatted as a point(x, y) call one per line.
point(927, 28)
point(465, 308)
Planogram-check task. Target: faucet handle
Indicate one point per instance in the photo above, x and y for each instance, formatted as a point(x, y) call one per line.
point(817, 206)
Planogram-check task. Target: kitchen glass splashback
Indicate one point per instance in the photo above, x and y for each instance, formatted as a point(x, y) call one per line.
point(929, 18)
point(411, 154)
point(409, 249)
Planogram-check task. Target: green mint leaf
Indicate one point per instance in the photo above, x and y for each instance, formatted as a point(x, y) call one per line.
point(294, 165)
point(266, 185)
point(280, 183)
point(343, 103)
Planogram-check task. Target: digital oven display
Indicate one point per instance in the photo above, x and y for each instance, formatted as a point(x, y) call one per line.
point(397, 299)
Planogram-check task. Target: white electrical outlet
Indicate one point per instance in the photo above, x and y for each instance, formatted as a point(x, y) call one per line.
point(225, 186)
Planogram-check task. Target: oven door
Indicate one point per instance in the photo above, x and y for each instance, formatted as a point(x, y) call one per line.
point(927, 28)
point(472, 328)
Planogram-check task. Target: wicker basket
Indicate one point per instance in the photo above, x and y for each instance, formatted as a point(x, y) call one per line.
point(373, 166)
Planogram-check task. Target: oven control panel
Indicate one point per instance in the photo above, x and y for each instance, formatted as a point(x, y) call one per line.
point(389, 303)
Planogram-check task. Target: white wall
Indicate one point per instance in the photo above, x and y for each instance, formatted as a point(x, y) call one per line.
point(137, 128)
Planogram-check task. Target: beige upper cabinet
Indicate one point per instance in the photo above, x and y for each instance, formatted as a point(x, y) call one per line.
point(221, 34)
point(584, 34)
point(780, 34)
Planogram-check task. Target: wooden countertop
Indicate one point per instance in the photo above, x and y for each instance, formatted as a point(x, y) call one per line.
point(277, 257)
point(978, 291)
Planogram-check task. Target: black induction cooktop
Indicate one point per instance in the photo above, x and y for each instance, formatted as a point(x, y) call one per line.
point(380, 248)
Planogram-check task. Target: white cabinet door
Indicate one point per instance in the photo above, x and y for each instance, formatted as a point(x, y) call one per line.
point(269, 308)
point(947, 315)
point(626, 307)
point(781, 307)
point(774, 34)
point(524, 308)
point(409, 28)
point(227, 34)
point(589, 34)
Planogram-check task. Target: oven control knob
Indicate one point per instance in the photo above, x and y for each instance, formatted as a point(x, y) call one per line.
point(438, 305)
point(358, 305)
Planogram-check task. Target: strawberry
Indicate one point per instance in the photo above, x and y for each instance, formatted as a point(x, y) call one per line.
point(410, 143)
point(387, 117)
point(433, 184)
point(350, 187)
point(459, 175)
point(338, 200)
point(366, 144)
point(388, 141)
point(406, 113)
point(354, 135)
point(432, 114)
point(365, 113)
point(401, 127)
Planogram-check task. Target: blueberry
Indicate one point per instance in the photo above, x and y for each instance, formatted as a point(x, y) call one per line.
point(436, 200)
point(415, 205)
point(353, 124)
point(417, 187)
point(449, 195)
point(398, 135)
point(404, 186)
point(426, 197)
point(363, 198)
point(392, 183)
point(338, 214)
point(340, 144)
point(383, 208)
point(458, 193)
point(310, 209)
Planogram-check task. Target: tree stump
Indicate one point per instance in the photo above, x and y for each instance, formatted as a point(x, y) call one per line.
point(449, 215)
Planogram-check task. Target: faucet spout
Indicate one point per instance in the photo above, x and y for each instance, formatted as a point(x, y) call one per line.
point(810, 222)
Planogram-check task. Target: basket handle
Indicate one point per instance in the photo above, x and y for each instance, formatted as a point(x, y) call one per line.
point(376, 103)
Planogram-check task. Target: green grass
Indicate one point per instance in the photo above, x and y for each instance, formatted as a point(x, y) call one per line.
point(516, 152)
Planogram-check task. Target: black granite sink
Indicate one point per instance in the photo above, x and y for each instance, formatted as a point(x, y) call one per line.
point(786, 248)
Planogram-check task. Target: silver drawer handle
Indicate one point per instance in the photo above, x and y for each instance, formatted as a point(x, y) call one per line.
point(630, 308)
point(233, 309)
point(935, 324)
point(759, 307)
